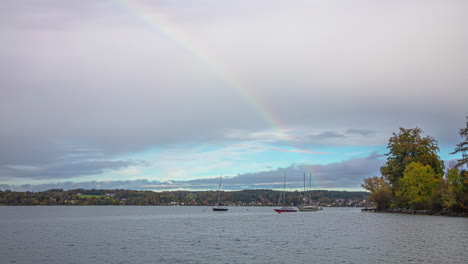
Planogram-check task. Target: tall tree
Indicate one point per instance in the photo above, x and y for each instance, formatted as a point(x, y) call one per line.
point(406, 147)
point(462, 147)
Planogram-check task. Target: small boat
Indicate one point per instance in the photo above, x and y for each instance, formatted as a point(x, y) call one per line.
point(309, 208)
point(218, 207)
point(284, 209)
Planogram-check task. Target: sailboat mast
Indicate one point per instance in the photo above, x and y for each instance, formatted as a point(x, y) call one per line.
point(310, 188)
point(284, 187)
point(305, 194)
point(219, 187)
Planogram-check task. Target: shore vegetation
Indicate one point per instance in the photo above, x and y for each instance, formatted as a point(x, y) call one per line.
point(414, 176)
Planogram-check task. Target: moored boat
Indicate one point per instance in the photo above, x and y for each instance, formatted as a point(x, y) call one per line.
point(284, 209)
point(218, 207)
point(308, 194)
point(309, 208)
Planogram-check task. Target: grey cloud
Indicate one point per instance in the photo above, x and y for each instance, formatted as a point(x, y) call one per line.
point(362, 132)
point(341, 175)
point(131, 184)
point(352, 137)
point(65, 170)
point(52, 14)
point(327, 135)
point(346, 174)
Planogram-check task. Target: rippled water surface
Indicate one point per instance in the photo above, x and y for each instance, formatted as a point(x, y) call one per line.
point(152, 234)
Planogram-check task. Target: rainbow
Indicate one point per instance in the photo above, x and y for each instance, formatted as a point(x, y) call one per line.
point(160, 23)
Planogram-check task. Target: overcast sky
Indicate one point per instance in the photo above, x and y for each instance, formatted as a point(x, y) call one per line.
point(171, 94)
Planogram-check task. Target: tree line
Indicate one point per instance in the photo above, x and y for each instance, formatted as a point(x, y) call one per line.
point(415, 178)
point(204, 198)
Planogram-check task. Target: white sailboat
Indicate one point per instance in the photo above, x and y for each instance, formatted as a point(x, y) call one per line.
point(310, 207)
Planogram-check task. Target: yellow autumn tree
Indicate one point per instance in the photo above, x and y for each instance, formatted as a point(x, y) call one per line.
point(417, 185)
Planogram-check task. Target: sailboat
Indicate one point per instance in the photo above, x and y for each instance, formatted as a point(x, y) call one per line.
point(308, 195)
point(284, 209)
point(218, 207)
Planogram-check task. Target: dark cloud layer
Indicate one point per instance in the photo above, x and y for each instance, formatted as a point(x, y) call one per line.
point(362, 132)
point(341, 175)
point(326, 135)
point(65, 170)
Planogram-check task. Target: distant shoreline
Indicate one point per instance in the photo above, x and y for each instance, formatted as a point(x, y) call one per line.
point(260, 197)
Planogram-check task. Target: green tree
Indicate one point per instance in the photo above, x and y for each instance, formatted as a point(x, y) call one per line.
point(462, 147)
point(379, 190)
point(456, 194)
point(418, 185)
point(406, 147)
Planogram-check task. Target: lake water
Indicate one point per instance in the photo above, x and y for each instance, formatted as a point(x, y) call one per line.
point(153, 234)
